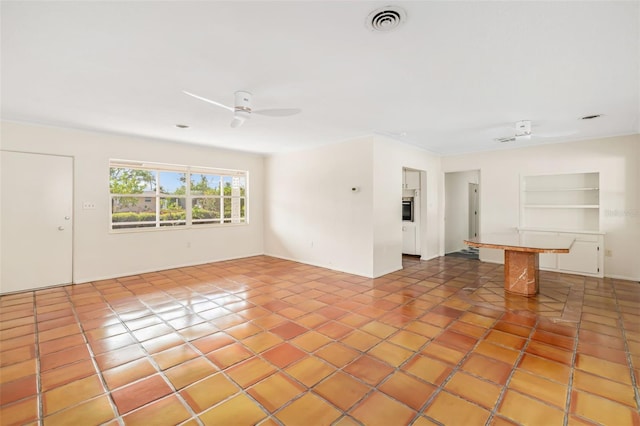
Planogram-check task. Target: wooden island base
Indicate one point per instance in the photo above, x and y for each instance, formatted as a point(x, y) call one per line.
point(521, 273)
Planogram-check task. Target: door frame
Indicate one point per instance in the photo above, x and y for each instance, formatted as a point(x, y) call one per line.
point(72, 212)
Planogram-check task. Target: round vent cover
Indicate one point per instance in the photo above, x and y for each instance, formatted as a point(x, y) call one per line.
point(385, 18)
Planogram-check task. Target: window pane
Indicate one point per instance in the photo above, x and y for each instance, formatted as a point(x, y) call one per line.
point(172, 211)
point(132, 212)
point(205, 210)
point(131, 181)
point(173, 183)
point(205, 184)
point(227, 209)
point(242, 183)
point(242, 209)
point(227, 184)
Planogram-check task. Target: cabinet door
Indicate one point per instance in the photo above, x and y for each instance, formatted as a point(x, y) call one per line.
point(412, 180)
point(582, 258)
point(548, 260)
point(408, 240)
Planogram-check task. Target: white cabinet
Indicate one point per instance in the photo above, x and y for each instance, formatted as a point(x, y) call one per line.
point(567, 205)
point(583, 258)
point(410, 179)
point(409, 245)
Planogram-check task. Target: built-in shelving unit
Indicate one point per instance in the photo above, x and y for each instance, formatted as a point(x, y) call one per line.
point(565, 204)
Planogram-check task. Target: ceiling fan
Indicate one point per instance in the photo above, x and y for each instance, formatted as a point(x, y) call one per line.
point(522, 131)
point(242, 108)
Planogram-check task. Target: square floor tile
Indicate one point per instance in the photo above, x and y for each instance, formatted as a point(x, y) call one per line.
point(93, 411)
point(140, 393)
point(208, 392)
point(308, 409)
point(127, 373)
point(310, 371)
point(167, 410)
point(602, 410)
point(250, 371)
point(239, 410)
point(275, 391)
point(337, 354)
point(523, 409)
point(449, 409)
point(380, 409)
point(538, 387)
point(189, 372)
point(474, 389)
point(407, 389)
point(390, 354)
point(342, 390)
point(229, 355)
point(368, 369)
point(427, 369)
point(71, 394)
point(283, 355)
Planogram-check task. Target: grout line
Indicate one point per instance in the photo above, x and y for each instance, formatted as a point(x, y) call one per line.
point(93, 360)
point(576, 341)
point(505, 387)
point(39, 395)
point(634, 383)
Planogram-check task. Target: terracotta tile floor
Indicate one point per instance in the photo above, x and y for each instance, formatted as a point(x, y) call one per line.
point(267, 341)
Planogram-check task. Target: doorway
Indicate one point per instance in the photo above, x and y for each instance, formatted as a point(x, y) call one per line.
point(462, 211)
point(414, 210)
point(36, 206)
point(474, 222)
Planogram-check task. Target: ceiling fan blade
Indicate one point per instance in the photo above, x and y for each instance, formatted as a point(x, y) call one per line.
point(278, 112)
point(558, 134)
point(208, 100)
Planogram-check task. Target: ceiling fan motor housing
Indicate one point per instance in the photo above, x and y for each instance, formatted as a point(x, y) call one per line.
point(242, 101)
point(523, 128)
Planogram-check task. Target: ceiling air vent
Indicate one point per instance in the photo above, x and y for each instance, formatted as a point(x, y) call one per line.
point(386, 18)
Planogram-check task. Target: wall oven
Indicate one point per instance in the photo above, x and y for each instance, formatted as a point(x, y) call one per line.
point(407, 209)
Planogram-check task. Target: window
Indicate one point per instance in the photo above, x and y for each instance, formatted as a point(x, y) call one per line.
point(151, 195)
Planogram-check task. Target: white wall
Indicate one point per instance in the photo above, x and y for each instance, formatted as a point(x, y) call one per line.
point(616, 159)
point(456, 201)
point(311, 213)
point(99, 254)
point(389, 159)
point(313, 217)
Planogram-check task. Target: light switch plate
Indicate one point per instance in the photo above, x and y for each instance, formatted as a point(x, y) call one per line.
point(88, 205)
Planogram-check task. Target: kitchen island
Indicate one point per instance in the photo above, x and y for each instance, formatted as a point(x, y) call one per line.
point(521, 257)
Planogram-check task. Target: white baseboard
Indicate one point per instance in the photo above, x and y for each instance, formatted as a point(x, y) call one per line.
point(164, 268)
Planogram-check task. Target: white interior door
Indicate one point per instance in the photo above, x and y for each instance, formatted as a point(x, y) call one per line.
point(36, 232)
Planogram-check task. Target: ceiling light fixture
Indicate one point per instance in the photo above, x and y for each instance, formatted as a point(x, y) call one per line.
point(590, 117)
point(182, 126)
point(385, 18)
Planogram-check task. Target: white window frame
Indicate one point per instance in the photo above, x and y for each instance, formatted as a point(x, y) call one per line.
point(188, 223)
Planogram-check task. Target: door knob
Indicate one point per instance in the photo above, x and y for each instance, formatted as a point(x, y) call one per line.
point(67, 217)
point(60, 228)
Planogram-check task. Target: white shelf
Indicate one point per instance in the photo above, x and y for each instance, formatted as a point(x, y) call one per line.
point(562, 206)
point(565, 204)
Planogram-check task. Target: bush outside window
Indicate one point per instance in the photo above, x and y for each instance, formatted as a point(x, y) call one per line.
point(152, 195)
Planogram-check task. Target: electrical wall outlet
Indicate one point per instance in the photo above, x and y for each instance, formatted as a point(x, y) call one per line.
point(88, 205)
point(608, 253)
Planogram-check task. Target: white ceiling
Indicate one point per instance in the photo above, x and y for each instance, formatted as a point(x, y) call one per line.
point(455, 76)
